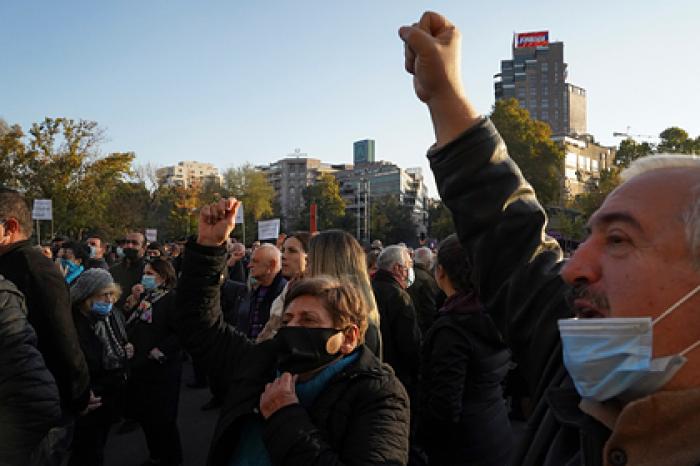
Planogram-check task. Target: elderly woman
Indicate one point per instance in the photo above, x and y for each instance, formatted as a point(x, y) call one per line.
point(314, 394)
point(103, 342)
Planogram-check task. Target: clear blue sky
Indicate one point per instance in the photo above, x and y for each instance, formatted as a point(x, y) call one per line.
point(231, 81)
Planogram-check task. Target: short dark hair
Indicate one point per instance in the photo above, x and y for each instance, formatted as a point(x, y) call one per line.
point(165, 269)
point(342, 299)
point(80, 250)
point(452, 257)
point(14, 205)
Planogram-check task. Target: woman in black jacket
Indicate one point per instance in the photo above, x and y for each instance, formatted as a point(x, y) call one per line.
point(312, 395)
point(463, 416)
point(104, 343)
point(153, 391)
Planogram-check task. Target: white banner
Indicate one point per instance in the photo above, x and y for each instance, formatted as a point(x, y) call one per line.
point(269, 229)
point(43, 209)
point(239, 215)
point(151, 234)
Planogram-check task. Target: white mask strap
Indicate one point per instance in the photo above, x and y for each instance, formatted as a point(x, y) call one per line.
point(675, 306)
point(690, 348)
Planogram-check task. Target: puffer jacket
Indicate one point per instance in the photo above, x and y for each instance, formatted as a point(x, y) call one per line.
point(29, 400)
point(516, 271)
point(360, 418)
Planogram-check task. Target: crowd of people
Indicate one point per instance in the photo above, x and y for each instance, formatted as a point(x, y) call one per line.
point(317, 351)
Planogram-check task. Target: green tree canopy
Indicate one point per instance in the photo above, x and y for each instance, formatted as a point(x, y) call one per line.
point(630, 150)
point(676, 140)
point(251, 187)
point(530, 145)
point(325, 193)
point(391, 221)
point(440, 221)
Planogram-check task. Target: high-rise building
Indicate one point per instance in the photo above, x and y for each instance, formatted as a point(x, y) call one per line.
point(360, 184)
point(188, 173)
point(583, 162)
point(536, 76)
point(289, 177)
point(363, 151)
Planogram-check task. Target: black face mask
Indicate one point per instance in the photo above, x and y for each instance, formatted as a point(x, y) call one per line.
point(303, 349)
point(131, 254)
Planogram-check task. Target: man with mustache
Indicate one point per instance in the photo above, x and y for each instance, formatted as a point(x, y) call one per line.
point(620, 385)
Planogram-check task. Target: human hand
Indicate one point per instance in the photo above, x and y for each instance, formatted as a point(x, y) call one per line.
point(432, 54)
point(93, 403)
point(136, 291)
point(129, 348)
point(217, 221)
point(155, 354)
point(278, 394)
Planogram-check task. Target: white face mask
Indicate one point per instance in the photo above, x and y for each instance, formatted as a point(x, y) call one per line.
point(612, 357)
point(411, 277)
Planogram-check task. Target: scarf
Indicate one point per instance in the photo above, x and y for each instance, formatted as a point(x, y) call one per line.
point(113, 353)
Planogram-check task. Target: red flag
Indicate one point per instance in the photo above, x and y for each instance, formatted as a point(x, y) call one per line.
point(312, 219)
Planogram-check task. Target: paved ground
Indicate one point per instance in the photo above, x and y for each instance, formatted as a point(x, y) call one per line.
point(196, 429)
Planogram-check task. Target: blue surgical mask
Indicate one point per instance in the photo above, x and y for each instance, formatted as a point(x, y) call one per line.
point(612, 357)
point(148, 281)
point(120, 252)
point(93, 252)
point(101, 308)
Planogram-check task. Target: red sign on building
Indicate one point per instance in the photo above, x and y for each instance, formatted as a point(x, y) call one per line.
point(531, 39)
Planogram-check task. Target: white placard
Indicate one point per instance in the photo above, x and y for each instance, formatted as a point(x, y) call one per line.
point(151, 234)
point(269, 229)
point(43, 209)
point(239, 215)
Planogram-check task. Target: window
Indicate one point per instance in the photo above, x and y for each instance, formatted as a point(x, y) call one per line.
point(533, 91)
point(545, 90)
point(521, 92)
point(545, 67)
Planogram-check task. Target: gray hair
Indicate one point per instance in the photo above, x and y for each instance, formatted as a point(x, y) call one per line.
point(691, 216)
point(424, 256)
point(270, 251)
point(391, 255)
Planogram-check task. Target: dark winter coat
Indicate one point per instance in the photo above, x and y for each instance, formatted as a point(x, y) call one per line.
point(401, 338)
point(360, 418)
point(246, 307)
point(234, 294)
point(109, 384)
point(153, 389)
point(424, 292)
point(127, 274)
point(516, 269)
point(49, 313)
point(29, 400)
point(463, 416)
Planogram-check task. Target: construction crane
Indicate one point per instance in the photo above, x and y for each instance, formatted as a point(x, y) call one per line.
point(627, 135)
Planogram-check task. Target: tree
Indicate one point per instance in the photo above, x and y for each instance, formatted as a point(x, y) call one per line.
point(530, 145)
point(676, 140)
point(440, 221)
point(325, 193)
point(252, 188)
point(597, 191)
point(629, 151)
point(61, 161)
point(392, 222)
